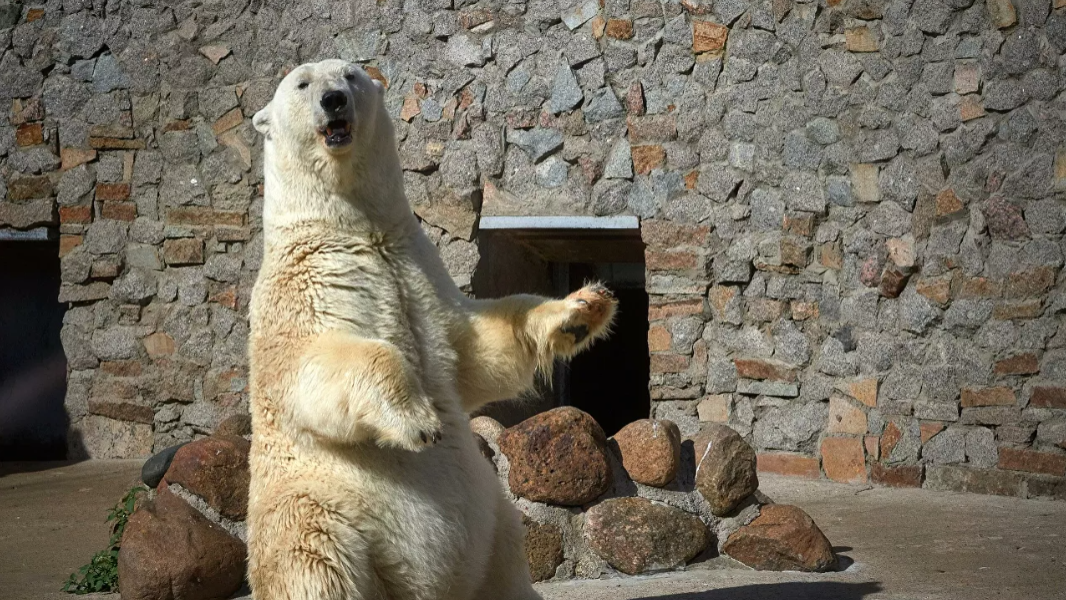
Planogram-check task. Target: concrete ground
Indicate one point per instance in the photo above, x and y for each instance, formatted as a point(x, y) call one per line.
point(898, 544)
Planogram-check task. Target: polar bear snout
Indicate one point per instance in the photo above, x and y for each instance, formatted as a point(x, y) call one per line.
point(337, 131)
point(333, 101)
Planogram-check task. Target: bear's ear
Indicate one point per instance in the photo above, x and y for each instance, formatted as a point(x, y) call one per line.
point(261, 121)
point(378, 85)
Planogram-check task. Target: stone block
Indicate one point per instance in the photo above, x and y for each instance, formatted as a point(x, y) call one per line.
point(843, 459)
point(1032, 461)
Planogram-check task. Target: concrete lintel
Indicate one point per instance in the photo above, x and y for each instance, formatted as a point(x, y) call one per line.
point(621, 222)
point(37, 234)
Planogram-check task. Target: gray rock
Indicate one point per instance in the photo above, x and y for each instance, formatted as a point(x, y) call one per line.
point(108, 75)
point(981, 449)
point(536, 143)
point(155, 467)
point(767, 388)
point(767, 209)
point(551, 173)
point(804, 192)
point(604, 105)
point(945, 448)
point(790, 428)
point(115, 343)
point(916, 313)
point(566, 92)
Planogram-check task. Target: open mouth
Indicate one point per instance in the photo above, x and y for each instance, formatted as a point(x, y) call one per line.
point(337, 133)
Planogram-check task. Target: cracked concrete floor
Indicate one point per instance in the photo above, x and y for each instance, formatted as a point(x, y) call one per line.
point(901, 544)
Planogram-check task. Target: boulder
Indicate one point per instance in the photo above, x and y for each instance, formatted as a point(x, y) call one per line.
point(172, 552)
point(725, 468)
point(239, 425)
point(155, 467)
point(636, 535)
point(544, 548)
point(486, 427)
point(782, 538)
point(651, 451)
point(215, 468)
point(558, 457)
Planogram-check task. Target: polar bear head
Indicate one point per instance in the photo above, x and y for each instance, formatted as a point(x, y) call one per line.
point(325, 110)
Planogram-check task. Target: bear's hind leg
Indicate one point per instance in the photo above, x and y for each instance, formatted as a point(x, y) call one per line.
point(305, 551)
point(507, 575)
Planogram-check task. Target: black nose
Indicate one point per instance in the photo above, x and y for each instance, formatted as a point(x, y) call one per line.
point(333, 101)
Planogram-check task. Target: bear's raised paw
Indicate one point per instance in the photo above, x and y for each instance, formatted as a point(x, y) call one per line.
point(590, 311)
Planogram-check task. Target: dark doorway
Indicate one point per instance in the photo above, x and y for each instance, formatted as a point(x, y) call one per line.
point(610, 380)
point(33, 422)
point(555, 256)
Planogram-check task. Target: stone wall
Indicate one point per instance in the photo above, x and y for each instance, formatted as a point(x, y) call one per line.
point(852, 207)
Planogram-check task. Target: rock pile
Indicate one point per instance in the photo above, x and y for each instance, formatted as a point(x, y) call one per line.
point(643, 501)
point(188, 542)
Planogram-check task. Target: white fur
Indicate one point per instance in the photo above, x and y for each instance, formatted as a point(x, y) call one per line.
point(363, 352)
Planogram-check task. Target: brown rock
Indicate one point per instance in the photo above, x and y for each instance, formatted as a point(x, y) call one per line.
point(927, 429)
point(172, 552)
point(893, 282)
point(993, 396)
point(764, 369)
point(216, 469)
point(122, 411)
point(1001, 13)
point(708, 36)
point(544, 548)
point(844, 460)
point(159, 345)
point(1005, 220)
point(1032, 461)
point(238, 425)
point(619, 29)
point(183, 251)
point(635, 99)
point(845, 417)
point(647, 158)
point(29, 188)
point(782, 538)
point(870, 272)
point(786, 463)
point(725, 468)
point(889, 438)
point(635, 535)
point(73, 157)
point(558, 457)
point(947, 203)
point(970, 108)
point(860, 39)
point(658, 339)
point(1048, 397)
point(937, 289)
point(29, 134)
point(651, 451)
point(1021, 364)
point(905, 476)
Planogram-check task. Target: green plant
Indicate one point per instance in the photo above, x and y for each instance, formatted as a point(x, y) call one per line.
point(101, 574)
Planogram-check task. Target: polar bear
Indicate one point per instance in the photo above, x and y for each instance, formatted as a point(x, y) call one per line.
point(365, 361)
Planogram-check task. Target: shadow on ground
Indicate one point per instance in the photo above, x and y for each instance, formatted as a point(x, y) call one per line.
point(814, 590)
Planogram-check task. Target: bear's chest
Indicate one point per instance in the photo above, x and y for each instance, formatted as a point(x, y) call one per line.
point(382, 291)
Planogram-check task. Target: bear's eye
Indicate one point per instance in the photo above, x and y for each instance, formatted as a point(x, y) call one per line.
point(302, 85)
point(350, 76)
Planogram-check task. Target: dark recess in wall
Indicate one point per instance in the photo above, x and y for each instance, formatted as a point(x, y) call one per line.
point(33, 422)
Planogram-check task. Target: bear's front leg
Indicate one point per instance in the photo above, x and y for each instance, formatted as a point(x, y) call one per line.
point(351, 390)
point(503, 342)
